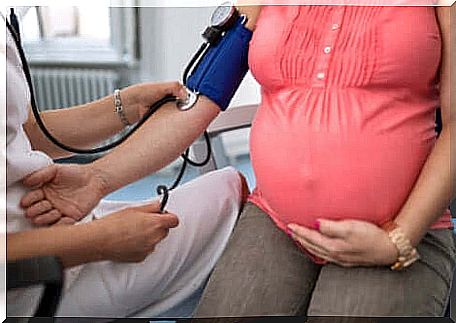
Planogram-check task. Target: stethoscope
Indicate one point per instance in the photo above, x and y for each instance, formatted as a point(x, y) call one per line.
point(182, 105)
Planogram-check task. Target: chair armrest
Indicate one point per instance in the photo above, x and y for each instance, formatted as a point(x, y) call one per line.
point(232, 119)
point(47, 271)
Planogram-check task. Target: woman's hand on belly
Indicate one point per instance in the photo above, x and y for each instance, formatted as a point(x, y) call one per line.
point(347, 243)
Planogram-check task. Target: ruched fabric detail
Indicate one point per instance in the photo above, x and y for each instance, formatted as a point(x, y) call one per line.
point(347, 118)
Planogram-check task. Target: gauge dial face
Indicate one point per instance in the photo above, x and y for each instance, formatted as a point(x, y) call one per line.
point(222, 14)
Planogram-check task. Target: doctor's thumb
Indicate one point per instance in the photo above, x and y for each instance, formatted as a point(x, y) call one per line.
point(169, 220)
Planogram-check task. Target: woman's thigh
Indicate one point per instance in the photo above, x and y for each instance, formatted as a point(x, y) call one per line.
point(420, 290)
point(261, 272)
point(207, 209)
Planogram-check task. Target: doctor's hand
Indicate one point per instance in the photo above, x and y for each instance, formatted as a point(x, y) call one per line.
point(131, 234)
point(137, 99)
point(61, 194)
point(347, 243)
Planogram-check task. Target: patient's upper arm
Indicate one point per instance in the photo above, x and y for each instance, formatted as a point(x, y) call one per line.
point(251, 11)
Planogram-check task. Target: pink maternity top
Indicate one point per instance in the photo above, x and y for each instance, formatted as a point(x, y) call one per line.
point(347, 117)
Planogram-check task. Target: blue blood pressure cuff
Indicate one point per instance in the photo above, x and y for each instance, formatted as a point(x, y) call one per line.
point(221, 70)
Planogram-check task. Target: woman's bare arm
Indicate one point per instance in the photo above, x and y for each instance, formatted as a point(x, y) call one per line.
point(73, 190)
point(434, 189)
point(166, 135)
point(251, 11)
point(87, 125)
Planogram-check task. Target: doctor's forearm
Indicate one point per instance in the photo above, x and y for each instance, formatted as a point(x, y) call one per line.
point(82, 126)
point(72, 244)
point(156, 144)
point(87, 125)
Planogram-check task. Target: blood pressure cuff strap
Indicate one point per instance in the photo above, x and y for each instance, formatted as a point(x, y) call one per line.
point(221, 70)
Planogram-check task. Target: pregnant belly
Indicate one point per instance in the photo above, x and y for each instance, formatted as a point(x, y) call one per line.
point(304, 174)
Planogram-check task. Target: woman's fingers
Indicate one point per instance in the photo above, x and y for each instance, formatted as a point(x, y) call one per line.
point(32, 197)
point(65, 221)
point(311, 236)
point(335, 229)
point(38, 208)
point(40, 177)
point(48, 218)
point(176, 89)
point(157, 91)
point(340, 259)
point(315, 250)
point(300, 234)
point(331, 249)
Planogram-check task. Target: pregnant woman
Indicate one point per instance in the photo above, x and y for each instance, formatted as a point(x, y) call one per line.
point(349, 216)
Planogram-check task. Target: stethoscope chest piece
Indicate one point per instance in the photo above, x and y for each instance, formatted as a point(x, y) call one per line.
point(189, 103)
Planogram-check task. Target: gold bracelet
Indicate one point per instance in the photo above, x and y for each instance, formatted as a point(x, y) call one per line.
point(407, 253)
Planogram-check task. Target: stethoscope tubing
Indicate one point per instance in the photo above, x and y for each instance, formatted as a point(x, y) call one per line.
point(161, 189)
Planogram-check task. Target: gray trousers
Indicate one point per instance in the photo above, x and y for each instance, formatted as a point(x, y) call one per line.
point(262, 272)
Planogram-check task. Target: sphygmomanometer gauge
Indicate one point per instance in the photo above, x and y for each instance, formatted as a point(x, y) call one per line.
point(224, 16)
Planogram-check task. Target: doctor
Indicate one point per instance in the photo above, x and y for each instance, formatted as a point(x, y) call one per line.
point(111, 270)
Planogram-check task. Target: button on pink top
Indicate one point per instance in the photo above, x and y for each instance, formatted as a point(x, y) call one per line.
point(347, 116)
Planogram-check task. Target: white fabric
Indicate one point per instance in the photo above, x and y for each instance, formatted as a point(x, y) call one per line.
point(21, 160)
point(179, 265)
point(21, 11)
point(207, 209)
